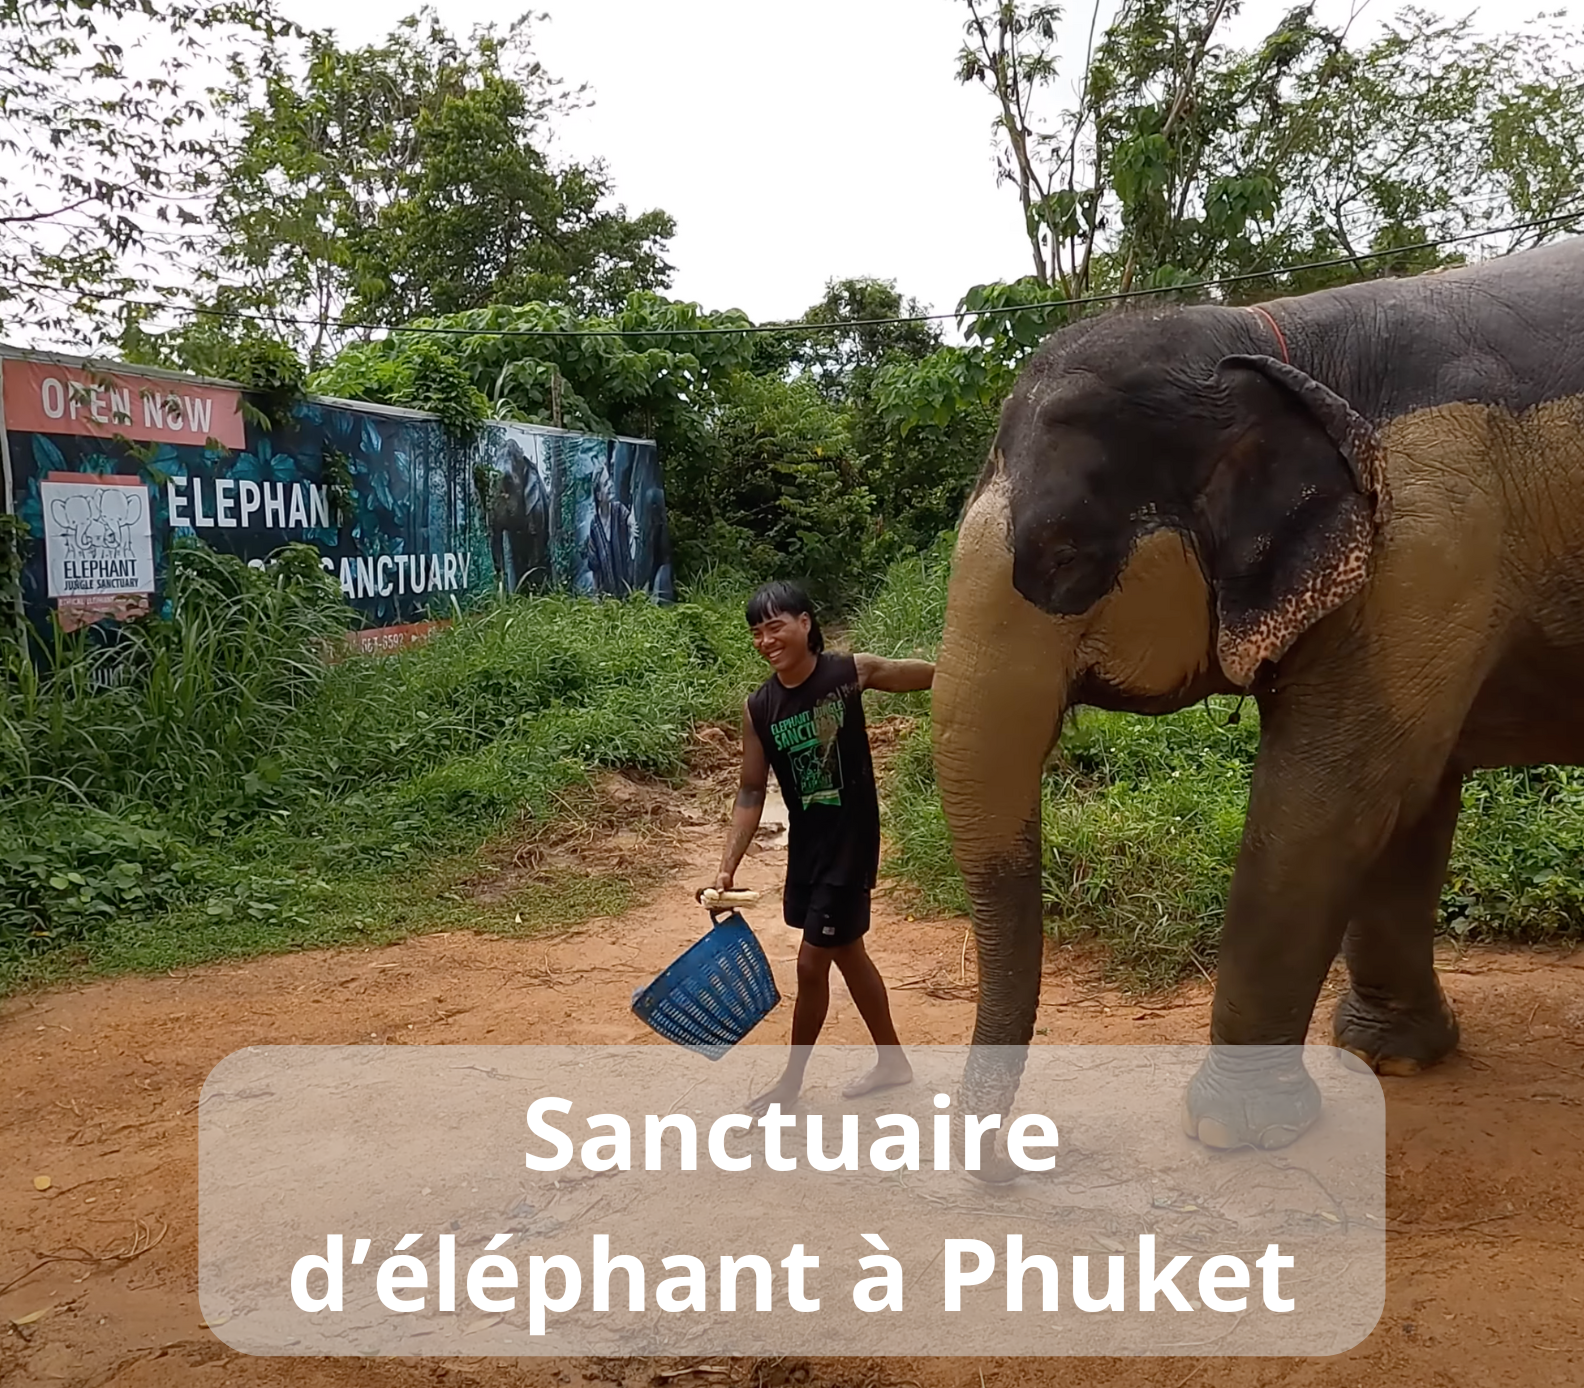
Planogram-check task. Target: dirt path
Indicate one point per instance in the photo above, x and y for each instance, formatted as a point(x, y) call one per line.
point(98, 1086)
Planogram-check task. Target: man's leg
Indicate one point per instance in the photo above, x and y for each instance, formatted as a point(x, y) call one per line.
point(869, 993)
point(808, 1016)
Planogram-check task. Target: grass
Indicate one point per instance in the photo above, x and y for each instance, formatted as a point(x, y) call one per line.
point(213, 787)
point(1142, 818)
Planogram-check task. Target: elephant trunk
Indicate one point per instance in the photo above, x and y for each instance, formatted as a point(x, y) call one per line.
point(1001, 683)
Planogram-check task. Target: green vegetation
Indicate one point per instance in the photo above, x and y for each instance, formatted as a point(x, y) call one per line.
point(316, 190)
point(778, 458)
point(211, 785)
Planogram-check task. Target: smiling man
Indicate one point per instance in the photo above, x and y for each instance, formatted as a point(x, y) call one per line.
point(807, 721)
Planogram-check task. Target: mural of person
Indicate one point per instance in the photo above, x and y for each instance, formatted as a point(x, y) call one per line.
point(652, 558)
point(612, 537)
point(519, 524)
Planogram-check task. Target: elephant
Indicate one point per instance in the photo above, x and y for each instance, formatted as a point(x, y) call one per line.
point(1362, 507)
point(519, 524)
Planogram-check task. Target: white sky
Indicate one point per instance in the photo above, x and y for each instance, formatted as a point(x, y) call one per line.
point(797, 142)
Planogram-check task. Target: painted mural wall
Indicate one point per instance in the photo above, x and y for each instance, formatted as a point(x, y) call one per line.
point(109, 467)
point(574, 512)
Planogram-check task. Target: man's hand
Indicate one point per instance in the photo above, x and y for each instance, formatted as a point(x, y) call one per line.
point(893, 676)
point(723, 881)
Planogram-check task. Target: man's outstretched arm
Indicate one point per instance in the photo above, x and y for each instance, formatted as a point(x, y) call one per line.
point(753, 781)
point(893, 676)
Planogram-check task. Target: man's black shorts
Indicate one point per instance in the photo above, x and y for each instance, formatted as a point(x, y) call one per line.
point(829, 917)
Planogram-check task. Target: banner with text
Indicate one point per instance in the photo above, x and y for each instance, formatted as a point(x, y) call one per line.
point(625, 1200)
point(41, 397)
point(109, 471)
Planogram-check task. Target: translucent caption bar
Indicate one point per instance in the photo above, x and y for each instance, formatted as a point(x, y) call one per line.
point(614, 1201)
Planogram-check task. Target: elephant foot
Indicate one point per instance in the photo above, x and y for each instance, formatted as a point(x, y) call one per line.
point(1393, 1039)
point(996, 1169)
point(1251, 1096)
point(989, 1085)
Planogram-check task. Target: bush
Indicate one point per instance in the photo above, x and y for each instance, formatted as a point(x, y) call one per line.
point(776, 493)
point(67, 872)
point(181, 705)
point(212, 765)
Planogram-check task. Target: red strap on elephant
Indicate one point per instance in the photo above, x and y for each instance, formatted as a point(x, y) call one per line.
point(1282, 341)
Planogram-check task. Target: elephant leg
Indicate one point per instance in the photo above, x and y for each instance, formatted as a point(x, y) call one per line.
point(521, 557)
point(498, 554)
point(1330, 788)
point(1395, 1017)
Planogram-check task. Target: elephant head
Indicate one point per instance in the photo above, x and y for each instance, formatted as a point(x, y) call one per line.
point(76, 519)
point(519, 523)
point(121, 508)
point(1165, 512)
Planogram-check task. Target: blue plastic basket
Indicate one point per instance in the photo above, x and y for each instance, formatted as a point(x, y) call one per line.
point(714, 994)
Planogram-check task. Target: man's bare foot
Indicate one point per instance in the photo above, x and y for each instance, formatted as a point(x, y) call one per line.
point(892, 1071)
point(785, 1092)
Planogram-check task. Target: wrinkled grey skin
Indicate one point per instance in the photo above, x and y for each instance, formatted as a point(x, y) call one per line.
point(1365, 507)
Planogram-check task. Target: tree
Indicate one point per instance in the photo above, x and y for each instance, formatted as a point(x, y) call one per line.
point(105, 151)
point(411, 178)
point(1011, 50)
point(1184, 158)
point(1299, 162)
point(916, 478)
point(856, 336)
point(785, 491)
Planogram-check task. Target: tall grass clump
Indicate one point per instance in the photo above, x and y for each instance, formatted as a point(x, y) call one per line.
point(181, 702)
point(221, 778)
point(1142, 819)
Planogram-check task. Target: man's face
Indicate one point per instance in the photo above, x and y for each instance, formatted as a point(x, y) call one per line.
point(782, 640)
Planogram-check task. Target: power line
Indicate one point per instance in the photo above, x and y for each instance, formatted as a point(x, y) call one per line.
point(754, 329)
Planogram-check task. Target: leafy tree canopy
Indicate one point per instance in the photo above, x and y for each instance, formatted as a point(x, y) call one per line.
point(107, 144)
point(412, 178)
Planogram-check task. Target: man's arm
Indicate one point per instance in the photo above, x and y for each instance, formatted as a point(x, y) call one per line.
point(893, 676)
point(752, 783)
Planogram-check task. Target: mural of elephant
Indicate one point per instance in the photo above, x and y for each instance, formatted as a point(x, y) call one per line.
point(519, 524)
point(1364, 507)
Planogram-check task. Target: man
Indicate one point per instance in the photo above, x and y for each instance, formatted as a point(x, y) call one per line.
point(611, 539)
point(807, 722)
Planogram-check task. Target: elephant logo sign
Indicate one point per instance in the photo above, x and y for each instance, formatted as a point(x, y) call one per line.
point(98, 537)
point(98, 524)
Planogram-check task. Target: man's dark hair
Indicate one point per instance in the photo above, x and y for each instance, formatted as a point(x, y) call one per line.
point(783, 599)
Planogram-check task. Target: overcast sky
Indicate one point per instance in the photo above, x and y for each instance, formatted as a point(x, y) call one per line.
point(796, 142)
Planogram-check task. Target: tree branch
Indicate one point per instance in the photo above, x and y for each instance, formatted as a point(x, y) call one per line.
point(1011, 122)
point(16, 217)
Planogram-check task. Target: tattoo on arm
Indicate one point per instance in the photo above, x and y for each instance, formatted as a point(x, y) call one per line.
point(751, 788)
point(744, 825)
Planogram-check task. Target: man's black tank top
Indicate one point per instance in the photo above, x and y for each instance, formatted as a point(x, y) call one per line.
point(815, 738)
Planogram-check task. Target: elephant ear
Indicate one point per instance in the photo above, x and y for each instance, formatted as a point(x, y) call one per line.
point(1293, 507)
